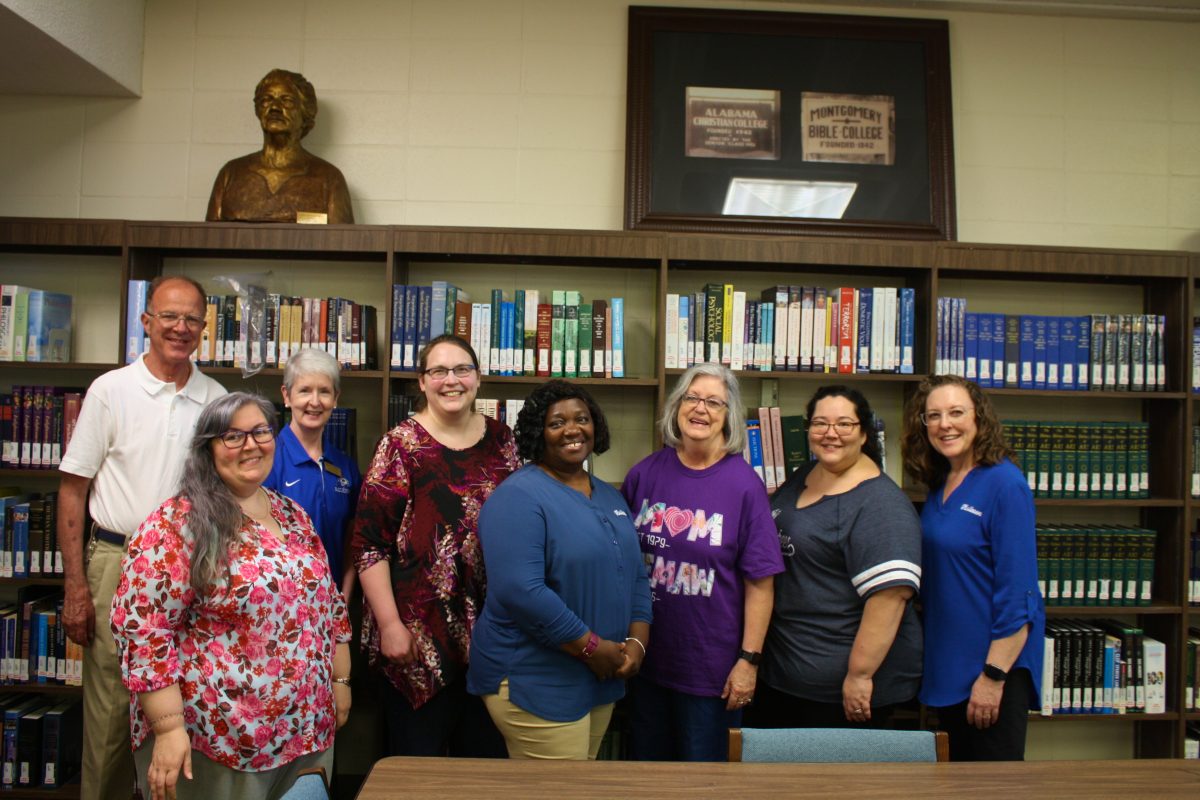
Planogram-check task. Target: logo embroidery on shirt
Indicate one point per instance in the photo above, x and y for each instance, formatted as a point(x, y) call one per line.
point(970, 509)
point(619, 513)
point(290, 484)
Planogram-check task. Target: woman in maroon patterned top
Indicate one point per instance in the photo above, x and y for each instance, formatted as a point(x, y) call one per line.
point(417, 551)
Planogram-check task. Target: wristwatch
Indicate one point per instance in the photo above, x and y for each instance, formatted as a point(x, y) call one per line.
point(750, 656)
point(995, 673)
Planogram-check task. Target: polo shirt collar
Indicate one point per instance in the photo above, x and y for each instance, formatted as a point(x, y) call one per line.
point(192, 390)
point(292, 449)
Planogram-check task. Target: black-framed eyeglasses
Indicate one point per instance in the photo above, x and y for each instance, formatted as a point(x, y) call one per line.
point(441, 373)
point(235, 438)
point(956, 414)
point(171, 319)
point(843, 427)
point(713, 404)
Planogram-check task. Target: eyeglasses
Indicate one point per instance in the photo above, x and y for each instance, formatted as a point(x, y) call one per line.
point(234, 438)
point(713, 404)
point(171, 319)
point(441, 373)
point(956, 414)
point(843, 427)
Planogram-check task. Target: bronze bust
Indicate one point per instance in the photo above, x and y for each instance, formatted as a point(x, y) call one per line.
point(283, 180)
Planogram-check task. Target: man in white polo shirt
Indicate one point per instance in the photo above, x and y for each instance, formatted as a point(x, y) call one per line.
point(129, 444)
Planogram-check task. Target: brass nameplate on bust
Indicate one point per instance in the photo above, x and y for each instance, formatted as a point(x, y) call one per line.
point(312, 218)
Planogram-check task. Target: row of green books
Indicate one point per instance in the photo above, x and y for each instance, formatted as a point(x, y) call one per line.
point(1105, 460)
point(1191, 687)
point(1083, 565)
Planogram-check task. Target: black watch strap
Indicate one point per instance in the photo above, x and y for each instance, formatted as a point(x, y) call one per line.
point(995, 673)
point(751, 656)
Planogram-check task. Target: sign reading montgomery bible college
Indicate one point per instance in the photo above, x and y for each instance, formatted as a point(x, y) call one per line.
point(731, 123)
point(849, 128)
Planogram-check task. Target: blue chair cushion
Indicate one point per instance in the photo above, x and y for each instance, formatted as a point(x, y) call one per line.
point(307, 787)
point(836, 745)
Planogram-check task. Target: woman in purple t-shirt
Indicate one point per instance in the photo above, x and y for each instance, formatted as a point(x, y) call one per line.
point(711, 553)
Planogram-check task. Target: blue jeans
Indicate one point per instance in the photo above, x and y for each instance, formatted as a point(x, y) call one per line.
point(666, 725)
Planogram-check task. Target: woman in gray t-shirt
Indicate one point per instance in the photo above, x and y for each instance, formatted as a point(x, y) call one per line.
point(844, 644)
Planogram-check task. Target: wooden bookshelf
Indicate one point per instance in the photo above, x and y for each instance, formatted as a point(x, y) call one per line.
point(363, 262)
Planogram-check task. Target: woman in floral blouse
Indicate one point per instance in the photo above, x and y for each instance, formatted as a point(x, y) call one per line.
point(232, 635)
point(417, 550)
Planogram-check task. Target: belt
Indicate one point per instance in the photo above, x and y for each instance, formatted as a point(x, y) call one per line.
point(112, 537)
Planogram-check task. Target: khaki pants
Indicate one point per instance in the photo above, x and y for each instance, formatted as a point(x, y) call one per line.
point(107, 756)
point(211, 780)
point(529, 736)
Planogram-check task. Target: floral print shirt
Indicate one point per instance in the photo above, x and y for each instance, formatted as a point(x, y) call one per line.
point(419, 510)
point(252, 654)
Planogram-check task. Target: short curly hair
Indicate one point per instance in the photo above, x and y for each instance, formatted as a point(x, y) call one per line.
point(531, 422)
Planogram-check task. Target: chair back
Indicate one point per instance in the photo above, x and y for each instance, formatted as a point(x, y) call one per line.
point(836, 745)
point(310, 785)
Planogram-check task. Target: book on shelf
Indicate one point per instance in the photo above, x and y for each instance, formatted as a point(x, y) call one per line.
point(1083, 460)
point(1081, 565)
point(261, 329)
point(792, 328)
point(36, 423)
point(35, 325)
point(1120, 352)
point(505, 411)
point(1102, 666)
point(42, 741)
point(524, 332)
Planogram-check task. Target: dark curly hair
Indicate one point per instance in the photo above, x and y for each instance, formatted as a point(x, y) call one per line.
point(866, 417)
point(531, 422)
point(929, 466)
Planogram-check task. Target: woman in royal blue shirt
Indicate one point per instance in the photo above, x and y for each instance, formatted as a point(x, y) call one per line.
point(318, 476)
point(567, 614)
point(984, 619)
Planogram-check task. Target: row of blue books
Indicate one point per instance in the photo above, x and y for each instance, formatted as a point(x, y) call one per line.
point(1096, 352)
point(35, 325)
point(29, 534)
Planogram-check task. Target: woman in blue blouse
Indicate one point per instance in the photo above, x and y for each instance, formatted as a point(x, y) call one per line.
point(984, 619)
point(320, 477)
point(567, 614)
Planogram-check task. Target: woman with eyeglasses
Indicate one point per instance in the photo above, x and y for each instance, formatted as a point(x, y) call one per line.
point(984, 617)
point(416, 548)
point(321, 478)
point(232, 634)
point(844, 647)
point(711, 552)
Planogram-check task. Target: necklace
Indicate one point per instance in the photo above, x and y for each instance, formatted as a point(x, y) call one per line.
point(266, 512)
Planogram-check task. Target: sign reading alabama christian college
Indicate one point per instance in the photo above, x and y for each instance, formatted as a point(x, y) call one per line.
point(732, 123)
point(849, 128)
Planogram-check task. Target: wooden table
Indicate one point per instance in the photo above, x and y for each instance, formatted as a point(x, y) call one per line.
point(478, 779)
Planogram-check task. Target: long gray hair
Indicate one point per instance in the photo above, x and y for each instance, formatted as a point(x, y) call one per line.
point(216, 517)
point(735, 414)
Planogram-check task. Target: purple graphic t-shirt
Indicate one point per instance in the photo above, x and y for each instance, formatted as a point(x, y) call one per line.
point(702, 533)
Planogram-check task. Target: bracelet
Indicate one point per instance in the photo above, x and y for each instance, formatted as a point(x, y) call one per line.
point(343, 681)
point(639, 643)
point(154, 722)
point(592, 643)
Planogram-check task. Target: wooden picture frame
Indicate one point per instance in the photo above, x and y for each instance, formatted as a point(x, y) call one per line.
point(677, 181)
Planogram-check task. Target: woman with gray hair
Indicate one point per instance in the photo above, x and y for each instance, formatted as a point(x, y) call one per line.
point(233, 638)
point(318, 476)
point(712, 552)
